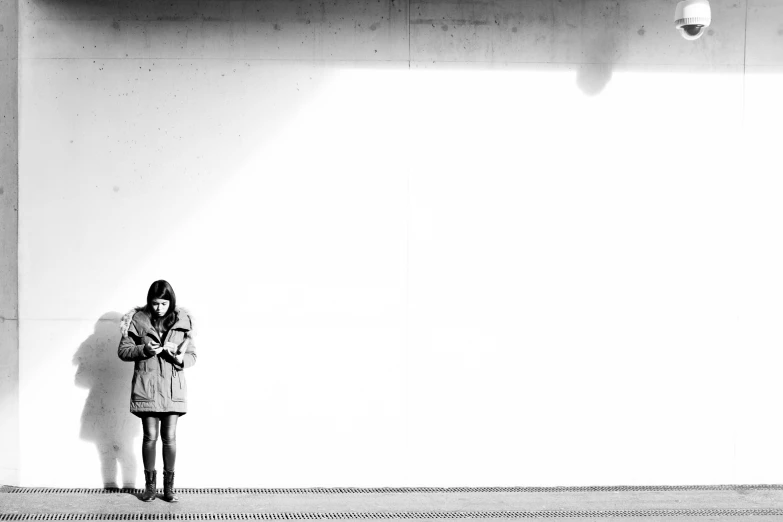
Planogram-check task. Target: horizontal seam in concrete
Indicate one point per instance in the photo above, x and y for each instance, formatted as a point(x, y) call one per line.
point(227, 59)
point(61, 319)
point(361, 60)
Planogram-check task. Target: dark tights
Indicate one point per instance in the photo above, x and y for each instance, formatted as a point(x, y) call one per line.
point(168, 431)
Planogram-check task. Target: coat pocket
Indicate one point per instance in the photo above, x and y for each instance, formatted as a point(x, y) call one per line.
point(179, 387)
point(143, 387)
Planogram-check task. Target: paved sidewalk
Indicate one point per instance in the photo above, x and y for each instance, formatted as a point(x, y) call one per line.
point(729, 504)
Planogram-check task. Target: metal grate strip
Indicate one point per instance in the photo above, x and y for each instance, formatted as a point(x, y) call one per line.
point(396, 515)
point(353, 490)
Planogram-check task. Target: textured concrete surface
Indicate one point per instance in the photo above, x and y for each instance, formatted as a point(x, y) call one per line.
point(764, 33)
point(9, 198)
point(536, 31)
point(587, 32)
point(467, 254)
point(46, 503)
point(243, 30)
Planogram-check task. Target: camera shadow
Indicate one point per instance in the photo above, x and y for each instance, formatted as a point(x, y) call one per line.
point(594, 75)
point(106, 420)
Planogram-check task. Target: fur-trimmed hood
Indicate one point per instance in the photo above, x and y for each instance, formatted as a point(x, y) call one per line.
point(184, 320)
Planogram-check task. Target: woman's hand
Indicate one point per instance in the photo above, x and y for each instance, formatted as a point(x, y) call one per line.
point(152, 348)
point(172, 348)
point(180, 358)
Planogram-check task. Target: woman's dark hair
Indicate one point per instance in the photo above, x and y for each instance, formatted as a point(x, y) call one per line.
point(162, 290)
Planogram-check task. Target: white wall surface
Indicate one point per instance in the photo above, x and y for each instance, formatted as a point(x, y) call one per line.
point(439, 244)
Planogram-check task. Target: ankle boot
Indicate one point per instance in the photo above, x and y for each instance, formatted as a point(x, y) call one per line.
point(150, 485)
point(168, 487)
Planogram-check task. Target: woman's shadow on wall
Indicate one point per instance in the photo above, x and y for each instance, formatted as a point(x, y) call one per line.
point(106, 419)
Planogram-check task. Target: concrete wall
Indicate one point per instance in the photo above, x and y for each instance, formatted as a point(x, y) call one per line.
point(436, 243)
point(9, 297)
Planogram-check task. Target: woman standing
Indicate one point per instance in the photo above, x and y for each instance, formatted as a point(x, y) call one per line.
point(157, 338)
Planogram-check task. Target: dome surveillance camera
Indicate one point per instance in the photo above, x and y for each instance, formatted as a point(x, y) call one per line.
point(692, 17)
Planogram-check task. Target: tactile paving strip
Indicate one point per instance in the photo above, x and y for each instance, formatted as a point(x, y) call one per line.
point(397, 515)
point(338, 490)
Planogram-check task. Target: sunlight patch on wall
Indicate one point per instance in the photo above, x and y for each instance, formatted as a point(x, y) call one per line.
point(441, 259)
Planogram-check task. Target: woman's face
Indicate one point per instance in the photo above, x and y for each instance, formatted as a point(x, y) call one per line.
point(160, 306)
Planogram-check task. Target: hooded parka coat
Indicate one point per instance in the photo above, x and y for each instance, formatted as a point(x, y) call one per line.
point(158, 384)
